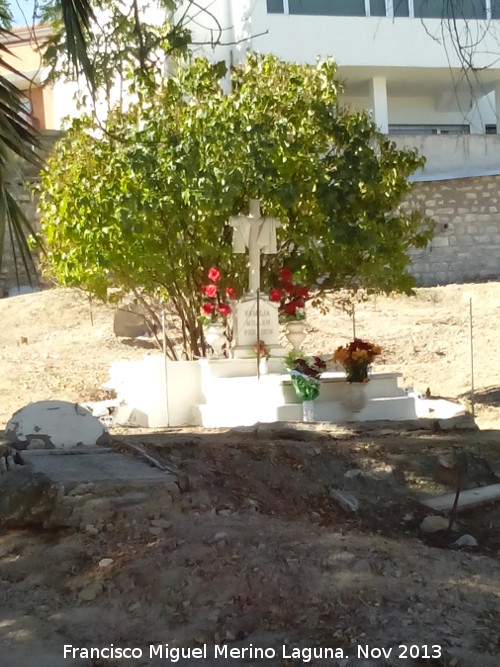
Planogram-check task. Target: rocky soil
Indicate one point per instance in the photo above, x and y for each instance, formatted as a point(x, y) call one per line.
point(285, 538)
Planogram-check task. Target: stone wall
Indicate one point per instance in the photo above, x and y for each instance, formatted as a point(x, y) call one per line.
point(25, 176)
point(466, 245)
point(25, 198)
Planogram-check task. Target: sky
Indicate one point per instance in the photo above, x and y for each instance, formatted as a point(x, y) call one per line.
point(18, 7)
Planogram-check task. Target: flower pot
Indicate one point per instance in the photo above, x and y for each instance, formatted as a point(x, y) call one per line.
point(215, 337)
point(295, 332)
point(355, 398)
point(308, 411)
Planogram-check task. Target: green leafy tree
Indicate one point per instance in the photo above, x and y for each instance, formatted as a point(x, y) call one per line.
point(127, 37)
point(144, 205)
point(75, 27)
point(5, 15)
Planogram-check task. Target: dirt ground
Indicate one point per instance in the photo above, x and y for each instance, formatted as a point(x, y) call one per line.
point(248, 549)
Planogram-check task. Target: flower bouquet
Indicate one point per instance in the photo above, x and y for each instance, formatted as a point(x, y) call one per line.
point(305, 374)
point(214, 313)
point(291, 296)
point(356, 357)
point(262, 350)
point(215, 310)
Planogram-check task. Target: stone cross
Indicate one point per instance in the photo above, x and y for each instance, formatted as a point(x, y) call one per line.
point(256, 233)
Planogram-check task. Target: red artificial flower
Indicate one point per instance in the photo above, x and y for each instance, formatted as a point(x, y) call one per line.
point(230, 292)
point(214, 274)
point(224, 309)
point(290, 307)
point(301, 292)
point(285, 275)
point(302, 366)
point(210, 291)
point(208, 308)
point(275, 295)
point(289, 288)
point(358, 344)
point(319, 363)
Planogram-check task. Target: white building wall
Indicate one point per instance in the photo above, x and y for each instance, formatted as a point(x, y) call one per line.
point(209, 28)
point(425, 82)
point(360, 41)
point(65, 108)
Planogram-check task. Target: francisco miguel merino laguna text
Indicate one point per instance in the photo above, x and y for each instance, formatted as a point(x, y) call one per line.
point(174, 654)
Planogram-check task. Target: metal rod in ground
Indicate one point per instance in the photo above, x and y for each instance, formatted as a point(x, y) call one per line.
point(258, 333)
point(354, 321)
point(164, 331)
point(91, 313)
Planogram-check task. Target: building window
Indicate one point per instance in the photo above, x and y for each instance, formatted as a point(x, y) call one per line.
point(27, 109)
point(490, 129)
point(439, 9)
point(427, 9)
point(429, 129)
point(377, 7)
point(275, 6)
point(401, 8)
point(27, 112)
point(328, 7)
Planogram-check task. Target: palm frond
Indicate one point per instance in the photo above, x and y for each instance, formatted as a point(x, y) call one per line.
point(16, 132)
point(18, 140)
point(76, 16)
point(15, 226)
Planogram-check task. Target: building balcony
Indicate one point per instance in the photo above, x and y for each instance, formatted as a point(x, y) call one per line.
point(453, 155)
point(397, 59)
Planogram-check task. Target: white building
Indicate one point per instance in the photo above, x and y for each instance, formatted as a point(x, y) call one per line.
point(394, 59)
point(427, 70)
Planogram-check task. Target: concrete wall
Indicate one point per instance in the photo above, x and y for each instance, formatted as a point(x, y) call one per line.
point(454, 156)
point(466, 245)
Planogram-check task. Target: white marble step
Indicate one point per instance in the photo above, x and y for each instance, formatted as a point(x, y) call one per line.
point(279, 389)
point(333, 387)
point(246, 413)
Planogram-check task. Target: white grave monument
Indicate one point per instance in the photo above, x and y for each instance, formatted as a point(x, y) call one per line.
point(257, 234)
point(228, 392)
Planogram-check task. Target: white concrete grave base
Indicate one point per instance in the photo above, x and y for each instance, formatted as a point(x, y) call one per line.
point(245, 400)
point(227, 392)
point(54, 425)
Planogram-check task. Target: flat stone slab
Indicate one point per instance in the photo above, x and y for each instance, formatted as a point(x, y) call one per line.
point(54, 424)
point(92, 465)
